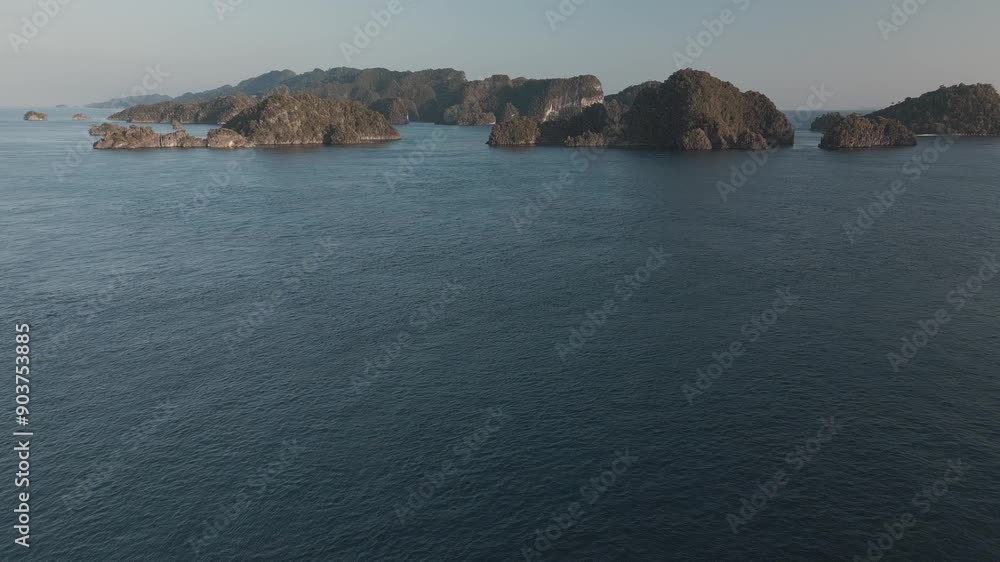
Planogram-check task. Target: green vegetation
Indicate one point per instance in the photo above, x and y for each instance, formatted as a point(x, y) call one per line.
point(956, 110)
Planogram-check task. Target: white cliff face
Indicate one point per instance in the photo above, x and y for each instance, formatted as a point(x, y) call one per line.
point(562, 103)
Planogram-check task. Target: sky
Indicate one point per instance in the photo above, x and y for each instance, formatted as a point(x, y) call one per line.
point(93, 50)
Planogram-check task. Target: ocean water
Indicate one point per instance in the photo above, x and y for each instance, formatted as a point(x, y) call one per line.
point(288, 354)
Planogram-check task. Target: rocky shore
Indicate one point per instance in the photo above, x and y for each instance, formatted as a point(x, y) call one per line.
point(280, 119)
point(116, 137)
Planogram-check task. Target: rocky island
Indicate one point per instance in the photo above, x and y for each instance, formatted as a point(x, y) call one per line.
point(280, 119)
point(965, 109)
point(215, 111)
point(80, 117)
point(102, 129)
point(117, 137)
point(691, 110)
point(825, 122)
point(305, 119)
point(855, 132)
point(36, 116)
point(398, 111)
point(484, 100)
point(437, 96)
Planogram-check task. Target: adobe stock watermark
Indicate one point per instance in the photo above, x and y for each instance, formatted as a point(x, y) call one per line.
point(722, 362)
point(150, 81)
point(407, 167)
point(895, 530)
point(86, 311)
point(291, 283)
point(901, 14)
point(462, 455)
point(625, 287)
point(225, 7)
point(797, 459)
point(704, 39)
point(590, 493)
point(818, 98)
point(420, 319)
point(364, 35)
point(579, 161)
point(253, 488)
point(566, 9)
point(33, 24)
point(913, 170)
point(958, 299)
point(129, 441)
point(219, 181)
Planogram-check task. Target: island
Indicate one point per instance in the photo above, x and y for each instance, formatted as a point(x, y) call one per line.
point(80, 117)
point(691, 110)
point(443, 96)
point(102, 129)
point(856, 132)
point(215, 111)
point(825, 122)
point(36, 116)
point(280, 119)
point(965, 109)
point(398, 111)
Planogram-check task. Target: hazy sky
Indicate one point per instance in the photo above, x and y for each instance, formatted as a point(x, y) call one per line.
point(97, 49)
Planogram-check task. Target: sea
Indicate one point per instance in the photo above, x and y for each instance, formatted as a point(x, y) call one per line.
point(436, 350)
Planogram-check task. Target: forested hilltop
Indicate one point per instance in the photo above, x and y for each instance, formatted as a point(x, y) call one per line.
point(436, 95)
point(965, 109)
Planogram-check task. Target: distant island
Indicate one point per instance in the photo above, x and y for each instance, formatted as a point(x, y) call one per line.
point(442, 96)
point(215, 111)
point(80, 117)
point(280, 119)
point(691, 110)
point(36, 116)
point(825, 122)
point(953, 110)
point(122, 103)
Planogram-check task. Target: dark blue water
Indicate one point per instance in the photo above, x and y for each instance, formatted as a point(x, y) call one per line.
point(281, 354)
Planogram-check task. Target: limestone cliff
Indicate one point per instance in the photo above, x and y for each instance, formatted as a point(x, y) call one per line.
point(691, 110)
point(483, 100)
point(398, 111)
